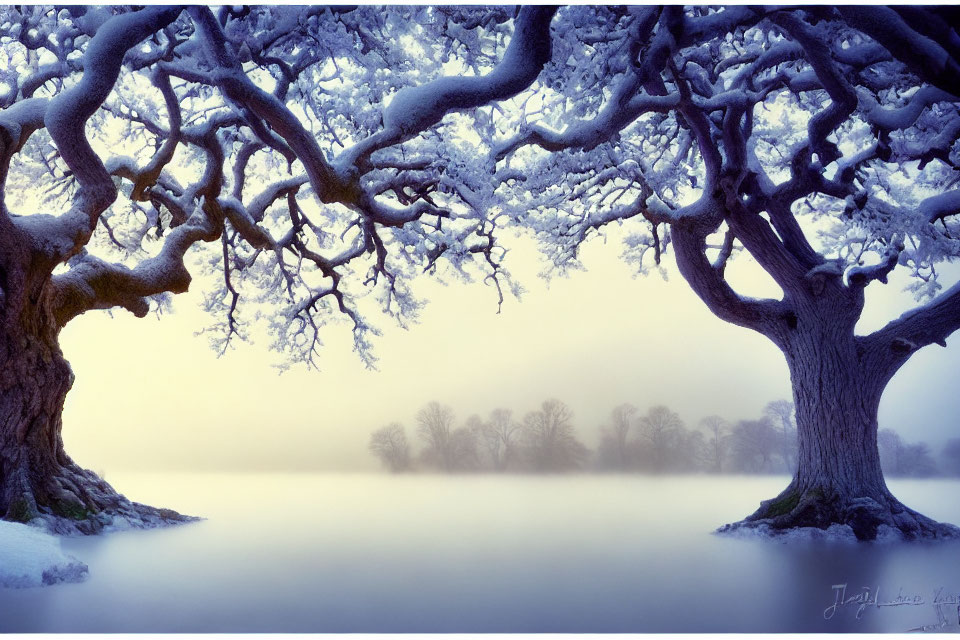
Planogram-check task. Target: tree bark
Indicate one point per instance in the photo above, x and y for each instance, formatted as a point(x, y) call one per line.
point(838, 478)
point(38, 480)
point(837, 379)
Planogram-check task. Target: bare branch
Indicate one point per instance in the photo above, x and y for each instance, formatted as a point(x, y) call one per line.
point(708, 283)
point(929, 324)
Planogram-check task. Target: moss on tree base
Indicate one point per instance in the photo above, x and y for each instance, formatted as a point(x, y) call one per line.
point(71, 510)
point(866, 518)
point(125, 515)
point(20, 511)
point(89, 506)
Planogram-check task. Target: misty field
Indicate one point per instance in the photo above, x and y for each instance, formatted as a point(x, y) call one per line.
point(379, 553)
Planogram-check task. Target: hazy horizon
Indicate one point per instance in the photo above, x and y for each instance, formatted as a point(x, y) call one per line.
point(150, 394)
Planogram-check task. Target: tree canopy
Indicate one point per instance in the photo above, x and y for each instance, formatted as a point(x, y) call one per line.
point(794, 136)
point(277, 139)
point(323, 154)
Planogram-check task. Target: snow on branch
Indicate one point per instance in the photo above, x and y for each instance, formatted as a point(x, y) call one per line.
point(229, 76)
point(67, 114)
point(860, 276)
point(308, 163)
point(842, 95)
point(900, 117)
point(940, 206)
point(620, 111)
point(92, 283)
point(18, 123)
point(416, 108)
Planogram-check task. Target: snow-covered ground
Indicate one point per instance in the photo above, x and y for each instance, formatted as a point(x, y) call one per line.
point(31, 558)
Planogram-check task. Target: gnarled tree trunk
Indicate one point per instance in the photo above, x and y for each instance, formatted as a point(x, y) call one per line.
point(38, 480)
point(837, 376)
point(838, 478)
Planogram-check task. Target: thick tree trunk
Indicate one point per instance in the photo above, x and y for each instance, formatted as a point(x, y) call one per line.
point(838, 478)
point(38, 481)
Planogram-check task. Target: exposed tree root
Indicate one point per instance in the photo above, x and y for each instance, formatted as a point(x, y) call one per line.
point(881, 517)
point(76, 501)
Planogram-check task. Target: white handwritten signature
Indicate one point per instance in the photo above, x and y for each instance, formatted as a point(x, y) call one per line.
point(869, 598)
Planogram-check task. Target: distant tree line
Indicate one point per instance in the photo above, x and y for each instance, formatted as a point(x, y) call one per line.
point(544, 441)
point(657, 441)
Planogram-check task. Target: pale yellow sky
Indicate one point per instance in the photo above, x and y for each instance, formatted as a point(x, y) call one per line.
point(149, 394)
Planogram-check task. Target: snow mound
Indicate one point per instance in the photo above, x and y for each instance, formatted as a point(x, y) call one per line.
point(834, 533)
point(31, 558)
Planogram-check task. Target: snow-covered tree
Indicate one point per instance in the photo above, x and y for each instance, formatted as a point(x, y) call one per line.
point(314, 159)
point(287, 154)
point(820, 142)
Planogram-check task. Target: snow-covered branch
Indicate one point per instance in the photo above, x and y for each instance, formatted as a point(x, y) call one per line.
point(842, 95)
point(620, 111)
point(334, 154)
point(67, 114)
point(900, 117)
point(17, 124)
point(940, 206)
point(92, 283)
point(415, 109)
point(229, 76)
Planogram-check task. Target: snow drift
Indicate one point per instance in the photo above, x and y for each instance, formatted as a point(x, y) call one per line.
point(31, 558)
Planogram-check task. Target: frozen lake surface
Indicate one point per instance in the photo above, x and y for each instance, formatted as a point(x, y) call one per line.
point(375, 553)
